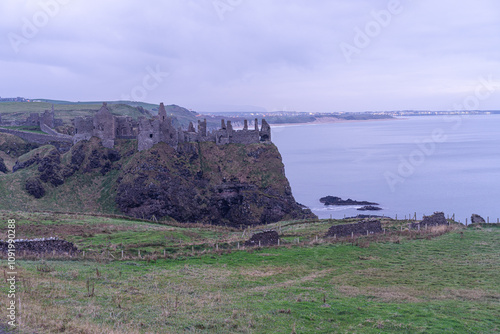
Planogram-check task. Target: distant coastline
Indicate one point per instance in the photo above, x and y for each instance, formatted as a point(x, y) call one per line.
point(327, 120)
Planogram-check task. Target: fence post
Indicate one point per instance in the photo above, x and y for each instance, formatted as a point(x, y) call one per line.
point(259, 243)
point(278, 241)
point(238, 245)
point(139, 253)
point(466, 221)
point(122, 254)
point(488, 219)
point(352, 235)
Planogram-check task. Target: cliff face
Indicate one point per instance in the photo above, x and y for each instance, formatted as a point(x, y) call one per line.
point(199, 182)
point(202, 182)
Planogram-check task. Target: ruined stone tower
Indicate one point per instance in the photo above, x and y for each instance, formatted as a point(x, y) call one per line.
point(160, 129)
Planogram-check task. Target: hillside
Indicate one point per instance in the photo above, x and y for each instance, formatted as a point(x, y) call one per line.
point(200, 182)
point(67, 111)
point(172, 278)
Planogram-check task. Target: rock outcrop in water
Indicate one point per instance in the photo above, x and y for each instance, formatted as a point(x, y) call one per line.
point(333, 200)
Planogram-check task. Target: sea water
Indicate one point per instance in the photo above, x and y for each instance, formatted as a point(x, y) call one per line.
point(415, 165)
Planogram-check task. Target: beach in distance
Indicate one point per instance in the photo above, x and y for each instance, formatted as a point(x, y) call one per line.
point(416, 164)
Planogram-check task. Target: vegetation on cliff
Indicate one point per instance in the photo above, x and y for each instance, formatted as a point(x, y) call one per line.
point(200, 182)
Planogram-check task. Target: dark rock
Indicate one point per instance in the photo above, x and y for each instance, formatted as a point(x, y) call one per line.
point(50, 168)
point(40, 246)
point(34, 187)
point(25, 164)
point(333, 200)
point(166, 182)
point(113, 155)
point(106, 168)
point(77, 155)
point(372, 226)
point(369, 208)
point(436, 219)
point(477, 219)
point(266, 238)
point(3, 168)
point(95, 160)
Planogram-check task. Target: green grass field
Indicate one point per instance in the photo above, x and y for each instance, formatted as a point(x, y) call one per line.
point(441, 280)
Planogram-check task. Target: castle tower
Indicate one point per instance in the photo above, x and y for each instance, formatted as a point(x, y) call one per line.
point(265, 132)
point(222, 125)
point(256, 124)
point(229, 126)
point(162, 113)
point(105, 126)
point(245, 125)
point(202, 128)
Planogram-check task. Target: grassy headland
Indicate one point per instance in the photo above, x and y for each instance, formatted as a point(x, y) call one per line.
point(194, 279)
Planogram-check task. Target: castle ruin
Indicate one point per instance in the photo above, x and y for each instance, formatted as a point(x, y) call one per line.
point(46, 119)
point(160, 129)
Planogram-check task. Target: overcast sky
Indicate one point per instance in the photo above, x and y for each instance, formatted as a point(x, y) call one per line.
point(314, 55)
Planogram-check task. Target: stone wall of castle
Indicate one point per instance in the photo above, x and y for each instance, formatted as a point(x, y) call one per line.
point(62, 143)
point(148, 132)
point(160, 129)
point(36, 120)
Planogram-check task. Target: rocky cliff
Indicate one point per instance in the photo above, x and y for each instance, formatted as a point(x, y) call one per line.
point(230, 184)
point(202, 182)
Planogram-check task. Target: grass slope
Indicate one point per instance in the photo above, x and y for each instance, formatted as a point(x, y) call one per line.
point(426, 282)
point(67, 111)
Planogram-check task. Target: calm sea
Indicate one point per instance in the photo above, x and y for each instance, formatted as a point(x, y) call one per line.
point(419, 164)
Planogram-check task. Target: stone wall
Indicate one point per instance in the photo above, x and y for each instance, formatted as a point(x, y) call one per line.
point(436, 219)
point(265, 238)
point(361, 228)
point(84, 127)
point(63, 144)
point(148, 132)
point(40, 246)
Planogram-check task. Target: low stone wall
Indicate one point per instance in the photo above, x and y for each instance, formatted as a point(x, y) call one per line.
point(266, 238)
point(371, 226)
point(436, 219)
point(40, 246)
point(45, 128)
point(62, 143)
